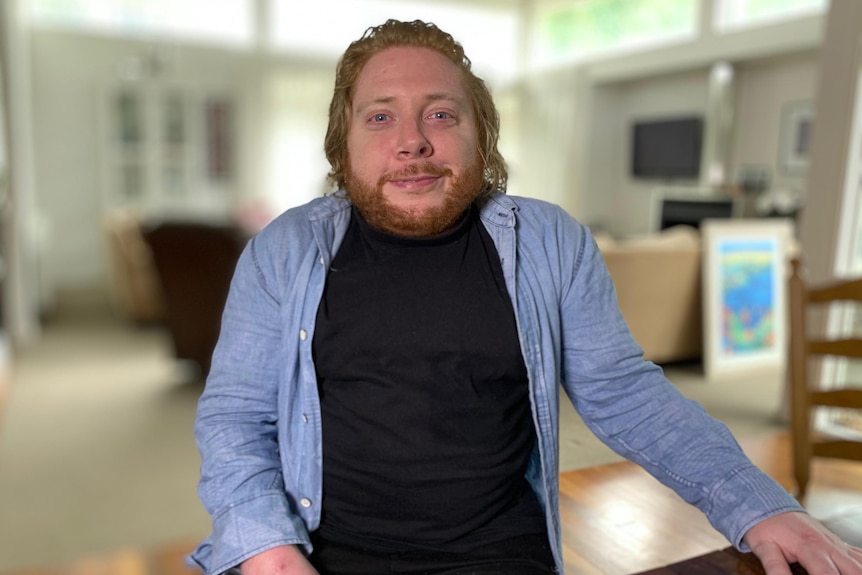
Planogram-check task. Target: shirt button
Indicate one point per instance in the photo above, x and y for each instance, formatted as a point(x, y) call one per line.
point(303, 335)
point(305, 502)
point(305, 417)
point(322, 262)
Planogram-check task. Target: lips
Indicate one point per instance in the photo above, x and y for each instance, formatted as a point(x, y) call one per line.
point(416, 176)
point(415, 180)
point(418, 170)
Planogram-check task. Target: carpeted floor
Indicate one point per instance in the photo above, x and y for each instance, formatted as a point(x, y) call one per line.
point(97, 453)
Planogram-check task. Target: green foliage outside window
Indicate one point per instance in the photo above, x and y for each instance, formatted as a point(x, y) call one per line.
point(752, 9)
point(590, 26)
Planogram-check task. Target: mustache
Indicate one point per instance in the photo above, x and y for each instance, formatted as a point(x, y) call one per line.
point(415, 169)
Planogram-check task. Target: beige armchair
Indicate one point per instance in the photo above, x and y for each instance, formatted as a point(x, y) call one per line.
point(658, 283)
point(133, 281)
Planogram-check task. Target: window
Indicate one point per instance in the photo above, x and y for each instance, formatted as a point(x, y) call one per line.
point(732, 14)
point(578, 30)
point(489, 34)
point(218, 21)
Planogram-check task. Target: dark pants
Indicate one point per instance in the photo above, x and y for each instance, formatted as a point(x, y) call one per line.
point(525, 555)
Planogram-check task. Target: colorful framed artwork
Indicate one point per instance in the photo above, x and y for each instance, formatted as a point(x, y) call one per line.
point(745, 263)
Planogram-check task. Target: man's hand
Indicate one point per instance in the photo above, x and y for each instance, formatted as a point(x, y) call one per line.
point(284, 560)
point(796, 537)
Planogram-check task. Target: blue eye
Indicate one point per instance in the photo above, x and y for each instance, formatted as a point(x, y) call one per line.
point(379, 118)
point(441, 115)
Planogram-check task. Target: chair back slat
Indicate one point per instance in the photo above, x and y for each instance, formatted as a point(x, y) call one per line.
point(839, 449)
point(837, 398)
point(850, 290)
point(847, 347)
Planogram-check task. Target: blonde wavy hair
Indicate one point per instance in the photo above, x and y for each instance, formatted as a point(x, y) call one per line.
point(424, 35)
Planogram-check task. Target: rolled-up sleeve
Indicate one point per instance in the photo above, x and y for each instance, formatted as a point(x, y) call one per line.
point(242, 484)
point(629, 404)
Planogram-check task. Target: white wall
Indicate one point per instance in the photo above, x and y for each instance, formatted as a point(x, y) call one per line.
point(71, 73)
point(20, 238)
point(764, 88)
point(67, 75)
point(624, 205)
point(297, 111)
point(631, 201)
point(566, 130)
point(5, 221)
point(587, 138)
point(829, 226)
point(602, 174)
point(548, 139)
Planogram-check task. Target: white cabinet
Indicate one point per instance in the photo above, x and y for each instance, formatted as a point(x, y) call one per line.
point(168, 148)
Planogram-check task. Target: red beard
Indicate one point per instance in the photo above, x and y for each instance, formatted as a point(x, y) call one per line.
point(430, 222)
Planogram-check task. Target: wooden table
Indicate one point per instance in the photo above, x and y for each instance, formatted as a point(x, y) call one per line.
point(618, 520)
point(725, 562)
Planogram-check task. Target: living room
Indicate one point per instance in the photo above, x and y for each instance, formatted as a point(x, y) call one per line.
point(566, 135)
point(566, 130)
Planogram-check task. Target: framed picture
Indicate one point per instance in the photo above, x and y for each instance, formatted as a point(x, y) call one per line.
point(219, 123)
point(744, 294)
point(797, 123)
point(129, 117)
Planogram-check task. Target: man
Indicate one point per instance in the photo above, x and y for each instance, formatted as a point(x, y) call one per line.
point(383, 397)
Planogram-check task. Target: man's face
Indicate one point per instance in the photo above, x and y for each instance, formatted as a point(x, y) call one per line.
point(413, 165)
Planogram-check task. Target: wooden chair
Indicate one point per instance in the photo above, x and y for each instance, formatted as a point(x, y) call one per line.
point(805, 395)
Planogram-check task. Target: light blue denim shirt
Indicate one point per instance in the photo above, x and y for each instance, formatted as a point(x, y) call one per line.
point(259, 430)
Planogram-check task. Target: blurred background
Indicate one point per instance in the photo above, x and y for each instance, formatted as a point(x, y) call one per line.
point(121, 118)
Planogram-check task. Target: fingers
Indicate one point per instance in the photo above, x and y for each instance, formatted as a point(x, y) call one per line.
point(798, 538)
point(838, 559)
point(851, 562)
point(772, 558)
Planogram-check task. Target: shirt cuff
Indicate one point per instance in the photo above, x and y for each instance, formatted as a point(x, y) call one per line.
point(248, 528)
point(746, 498)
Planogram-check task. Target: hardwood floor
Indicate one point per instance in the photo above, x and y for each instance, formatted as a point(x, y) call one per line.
point(169, 560)
point(617, 520)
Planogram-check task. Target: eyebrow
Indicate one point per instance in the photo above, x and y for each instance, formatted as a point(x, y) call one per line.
point(435, 97)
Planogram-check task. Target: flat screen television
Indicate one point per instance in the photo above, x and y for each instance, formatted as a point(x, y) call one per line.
point(667, 149)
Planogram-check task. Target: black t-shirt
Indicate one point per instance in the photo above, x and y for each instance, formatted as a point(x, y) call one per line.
point(427, 426)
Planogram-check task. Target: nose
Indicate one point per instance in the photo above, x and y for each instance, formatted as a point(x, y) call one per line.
point(412, 142)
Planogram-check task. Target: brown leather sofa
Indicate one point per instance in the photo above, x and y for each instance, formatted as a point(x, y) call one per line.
point(195, 262)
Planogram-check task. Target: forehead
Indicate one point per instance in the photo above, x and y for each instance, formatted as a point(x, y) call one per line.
point(407, 72)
